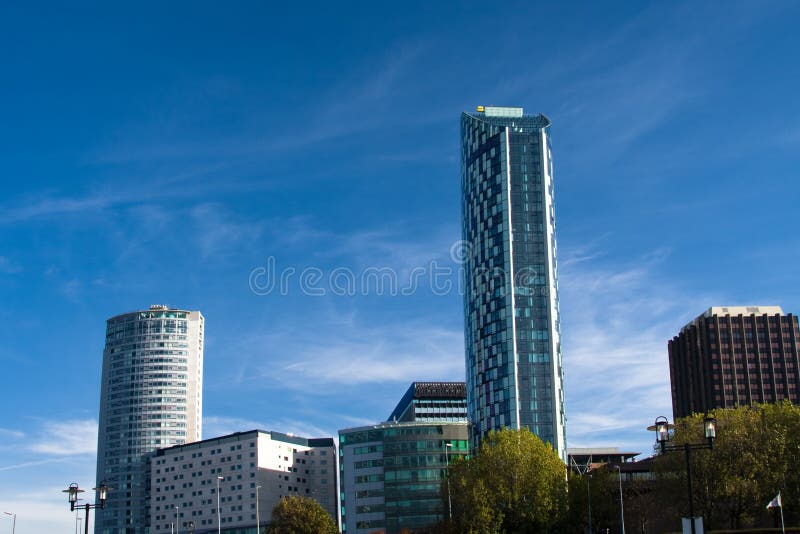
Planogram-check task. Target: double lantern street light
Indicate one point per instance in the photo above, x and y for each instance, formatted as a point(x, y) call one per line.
point(662, 428)
point(72, 496)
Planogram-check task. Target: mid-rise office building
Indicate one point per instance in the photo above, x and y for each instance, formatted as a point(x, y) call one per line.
point(432, 401)
point(151, 397)
point(391, 474)
point(233, 482)
point(511, 310)
point(735, 356)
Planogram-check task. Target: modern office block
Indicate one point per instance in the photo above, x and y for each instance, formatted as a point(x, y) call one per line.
point(151, 397)
point(241, 477)
point(391, 474)
point(432, 401)
point(511, 310)
point(735, 356)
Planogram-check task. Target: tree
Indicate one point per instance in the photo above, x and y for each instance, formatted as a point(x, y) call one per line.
point(602, 483)
point(301, 515)
point(515, 483)
point(755, 455)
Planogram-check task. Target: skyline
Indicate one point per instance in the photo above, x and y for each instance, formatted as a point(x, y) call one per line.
point(161, 155)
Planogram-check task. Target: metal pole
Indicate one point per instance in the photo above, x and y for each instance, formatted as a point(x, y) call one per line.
point(621, 505)
point(77, 524)
point(86, 519)
point(177, 526)
point(688, 450)
point(219, 519)
point(783, 528)
point(447, 462)
point(589, 494)
point(258, 519)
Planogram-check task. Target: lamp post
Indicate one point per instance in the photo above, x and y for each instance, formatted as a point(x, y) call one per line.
point(258, 519)
point(177, 525)
point(72, 496)
point(662, 427)
point(621, 505)
point(219, 519)
point(589, 497)
point(447, 447)
point(14, 523)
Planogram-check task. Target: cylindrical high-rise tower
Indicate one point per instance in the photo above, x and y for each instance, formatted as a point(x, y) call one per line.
point(151, 397)
point(511, 313)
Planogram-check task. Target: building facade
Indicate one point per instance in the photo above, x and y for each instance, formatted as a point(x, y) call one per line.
point(151, 397)
point(511, 310)
point(432, 401)
point(233, 482)
point(735, 356)
point(391, 474)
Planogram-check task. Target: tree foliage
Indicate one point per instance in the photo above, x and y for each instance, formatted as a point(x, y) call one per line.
point(515, 483)
point(756, 454)
point(602, 484)
point(301, 515)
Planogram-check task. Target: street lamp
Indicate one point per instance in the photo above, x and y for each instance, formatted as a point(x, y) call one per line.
point(72, 492)
point(662, 427)
point(219, 519)
point(14, 523)
point(447, 447)
point(177, 525)
point(258, 519)
point(621, 505)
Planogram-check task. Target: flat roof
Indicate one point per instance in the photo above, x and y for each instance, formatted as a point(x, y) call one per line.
point(249, 434)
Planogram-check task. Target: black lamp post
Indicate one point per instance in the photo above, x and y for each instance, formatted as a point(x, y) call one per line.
point(662, 427)
point(72, 496)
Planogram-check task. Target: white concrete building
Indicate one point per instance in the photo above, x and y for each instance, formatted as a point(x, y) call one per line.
point(185, 481)
point(151, 397)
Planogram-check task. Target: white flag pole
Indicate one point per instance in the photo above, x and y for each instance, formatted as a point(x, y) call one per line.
point(783, 528)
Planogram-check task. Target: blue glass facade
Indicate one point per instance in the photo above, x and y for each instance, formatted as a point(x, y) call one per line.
point(512, 331)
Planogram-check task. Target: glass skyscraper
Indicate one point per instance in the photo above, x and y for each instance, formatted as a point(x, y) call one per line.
point(511, 312)
point(151, 398)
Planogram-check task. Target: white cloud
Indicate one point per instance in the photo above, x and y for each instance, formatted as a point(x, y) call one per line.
point(12, 433)
point(66, 438)
point(616, 324)
point(340, 355)
point(8, 266)
point(215, 426)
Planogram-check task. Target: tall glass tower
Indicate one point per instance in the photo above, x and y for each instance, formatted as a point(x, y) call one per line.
point(511, 313)
point(150, 398)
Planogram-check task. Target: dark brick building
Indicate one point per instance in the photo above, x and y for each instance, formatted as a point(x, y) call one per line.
point(735, 356)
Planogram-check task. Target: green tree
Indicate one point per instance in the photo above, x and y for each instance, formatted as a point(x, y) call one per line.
point(301, 515)
point(602, 483)
point(755, 455)
point(515, 483)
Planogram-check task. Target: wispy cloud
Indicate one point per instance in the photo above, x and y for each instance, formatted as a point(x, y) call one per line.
point(8, 266)
point(11, 433)
point(66, 438)
point(343, 351)
point(616, 322)
point(218, 231)
point(215, 426)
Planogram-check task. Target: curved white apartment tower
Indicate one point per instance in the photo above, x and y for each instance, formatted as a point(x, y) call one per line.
point(151, 398)
point(511, 314)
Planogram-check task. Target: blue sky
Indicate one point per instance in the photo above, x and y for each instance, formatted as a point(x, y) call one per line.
point(162, 153)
